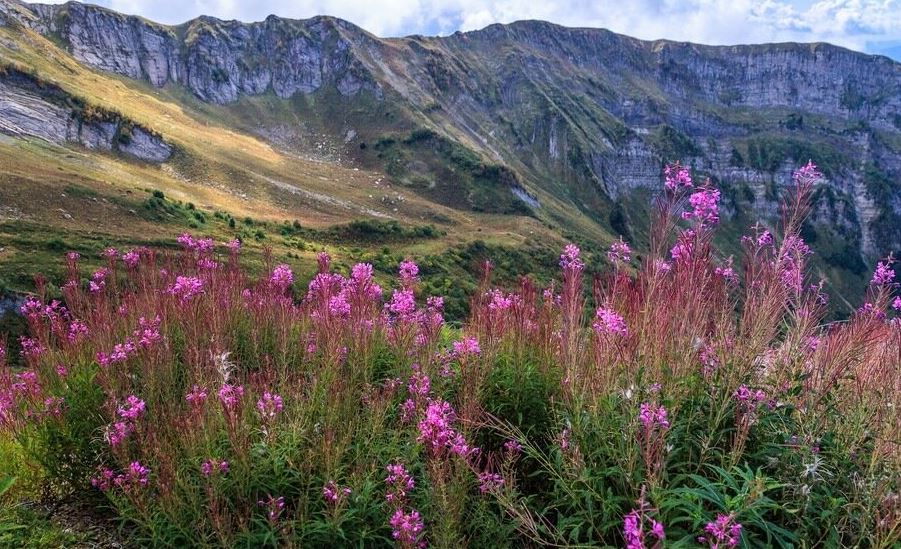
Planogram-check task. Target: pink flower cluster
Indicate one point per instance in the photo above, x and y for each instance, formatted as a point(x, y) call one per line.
point(274, 507)
point(653, 416)
point(608, 322)
point(619, 252)
point(269, 405)
point(212, 467)
point(196, 397)
point(676, 176)
point(333, 493)
point(633, 529)
point(406, 525)
point(136, 476)
point(281, 278)
point(230, 396)
point(148, 332)
point(705, 204)
point(409, 272)
point(400, 483)
point(198, 245)
point(468, 346)
point(884, 274)
point(570, 260)
point(490, 482)
point(186, 287)
point(31, 348)
point(725, 531)
point(807, 173)
point(407, 528)
point(128, 413)
point(436, 430)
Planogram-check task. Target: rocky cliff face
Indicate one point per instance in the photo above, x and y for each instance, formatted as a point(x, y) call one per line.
point(585, 115)
point(32, 108)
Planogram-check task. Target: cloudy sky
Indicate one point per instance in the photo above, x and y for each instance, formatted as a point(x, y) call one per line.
point(866, 25)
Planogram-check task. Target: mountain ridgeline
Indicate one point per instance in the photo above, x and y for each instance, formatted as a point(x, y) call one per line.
point(530, 118)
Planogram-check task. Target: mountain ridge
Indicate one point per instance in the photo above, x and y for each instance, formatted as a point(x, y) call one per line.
point(570, 126)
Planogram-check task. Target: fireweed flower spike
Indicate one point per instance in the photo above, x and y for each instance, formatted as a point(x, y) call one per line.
point(619, 252)
point(725, 531)
point(676, 176)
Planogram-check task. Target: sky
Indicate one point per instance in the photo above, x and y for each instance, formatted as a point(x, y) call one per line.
point(873, 26)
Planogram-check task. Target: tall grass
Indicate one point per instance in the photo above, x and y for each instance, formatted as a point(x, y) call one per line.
point(678, 401)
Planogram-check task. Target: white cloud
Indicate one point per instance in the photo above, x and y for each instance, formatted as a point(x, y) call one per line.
point(851, 23)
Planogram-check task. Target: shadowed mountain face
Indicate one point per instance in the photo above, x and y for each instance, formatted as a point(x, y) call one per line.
point(569, 126)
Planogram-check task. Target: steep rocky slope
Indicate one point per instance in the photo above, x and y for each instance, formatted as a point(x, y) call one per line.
point(565, 125)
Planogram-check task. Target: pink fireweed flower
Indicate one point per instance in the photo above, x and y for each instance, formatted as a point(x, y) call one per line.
point(148, 332)
point(705, 204)
point(684, 248)
point(420, 385)
point(709, 361)
point(196, 397)
point(233, 245)
point(746, 395)
point(727, 273)
point(132, 258)
point(402, 304)
point(467, 346)
point(230, 396)
point(98, 280)
point(436, 429)
point(408, 272)
point(490, 482)
point(361, 273)
point(807, 173)
point(513, 448)
point(111, 253)
point(499, 301)
point(662, 266)
point(117, 432)
point(633, 529)
point(213, 466)
point(570, 260)
point(676, 176)
point(31, 348)
point(338, 306)
point(53, 406)
point(608, 322)
point(281, 278)
point(725, 531)
point(104, 480)
point(269, 405)
point(132, 409)
point(274, 507)
point(61, 370)
point(620, 252)
point(185, 287)
point(27, 384)
point(884, 274)
point(137, 474)
point(77, 330)
point(333, 493)
point(32, 307)
point(400, 483)
point(896, 304)
point(407, 528)
point(653, 416)
point(187, 241)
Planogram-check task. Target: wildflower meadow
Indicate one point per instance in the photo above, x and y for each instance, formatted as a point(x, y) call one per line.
point(678, 399)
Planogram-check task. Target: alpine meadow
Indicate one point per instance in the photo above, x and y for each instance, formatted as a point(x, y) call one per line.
point(291, 284)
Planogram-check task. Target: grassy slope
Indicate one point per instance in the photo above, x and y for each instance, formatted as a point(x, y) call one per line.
point(64, 198)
